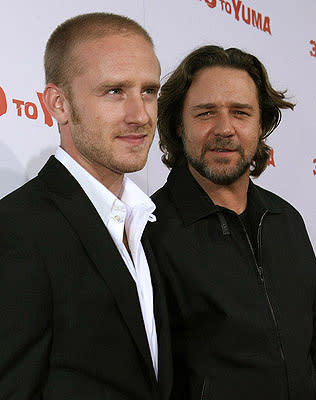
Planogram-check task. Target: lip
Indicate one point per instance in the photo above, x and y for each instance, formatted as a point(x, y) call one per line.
point(220, 151)
point(134, 139)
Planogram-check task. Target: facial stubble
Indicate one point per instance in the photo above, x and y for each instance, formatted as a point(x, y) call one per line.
point(99, 156)
point(222, 174)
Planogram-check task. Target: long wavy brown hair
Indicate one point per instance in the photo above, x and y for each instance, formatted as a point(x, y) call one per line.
point(174, 90)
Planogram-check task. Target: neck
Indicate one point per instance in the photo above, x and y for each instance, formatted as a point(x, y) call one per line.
point(112, 180)
point(233, 196)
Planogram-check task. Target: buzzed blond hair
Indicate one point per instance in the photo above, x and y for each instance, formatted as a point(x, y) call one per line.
point(60, 65)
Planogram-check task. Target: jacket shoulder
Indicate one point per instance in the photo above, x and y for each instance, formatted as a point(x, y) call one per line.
point(275, 201)
point(163, 201)
point(281, 205)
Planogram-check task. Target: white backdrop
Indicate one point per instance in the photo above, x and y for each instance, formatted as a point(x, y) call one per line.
point(281, 33)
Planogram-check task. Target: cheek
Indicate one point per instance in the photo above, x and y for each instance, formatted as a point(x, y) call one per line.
point(152, 111)
point(194, 145)
point(101, 117)
point(251, 142)
point(199, 136)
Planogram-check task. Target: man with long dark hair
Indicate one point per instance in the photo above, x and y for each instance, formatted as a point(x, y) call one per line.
point(237, 262)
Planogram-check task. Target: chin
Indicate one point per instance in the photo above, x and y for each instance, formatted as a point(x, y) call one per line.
point(135, 168)
point(130, 167)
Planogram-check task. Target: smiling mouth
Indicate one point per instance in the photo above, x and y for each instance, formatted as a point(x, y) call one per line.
point(133, 138)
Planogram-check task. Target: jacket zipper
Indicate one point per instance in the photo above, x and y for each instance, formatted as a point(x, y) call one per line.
point(262, 278)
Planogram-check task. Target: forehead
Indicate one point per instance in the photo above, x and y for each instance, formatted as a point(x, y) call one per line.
point(115, 54)
point(222, 84)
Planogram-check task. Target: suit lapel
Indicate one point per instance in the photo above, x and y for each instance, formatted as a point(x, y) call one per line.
point(73, 203)
point(162, 324)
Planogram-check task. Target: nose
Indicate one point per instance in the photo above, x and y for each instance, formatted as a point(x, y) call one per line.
point(224, 125)
point(136, 111)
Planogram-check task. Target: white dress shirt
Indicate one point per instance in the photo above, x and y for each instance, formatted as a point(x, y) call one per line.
point(132, 210)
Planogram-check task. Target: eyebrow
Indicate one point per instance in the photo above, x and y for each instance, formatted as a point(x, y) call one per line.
point(208, 106)
point(125, 83)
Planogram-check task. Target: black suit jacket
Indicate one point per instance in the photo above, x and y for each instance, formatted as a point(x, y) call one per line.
point(70, 321)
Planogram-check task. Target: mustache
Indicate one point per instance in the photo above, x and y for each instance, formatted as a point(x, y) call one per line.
point(138, 130)
point(222, 143)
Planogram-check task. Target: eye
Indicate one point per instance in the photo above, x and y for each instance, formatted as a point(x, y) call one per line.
point(150, 91)
point(205, 114)
point(241, 112)
point(114, 91)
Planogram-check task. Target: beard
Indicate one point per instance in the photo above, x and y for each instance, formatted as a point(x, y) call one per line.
point(221, 173)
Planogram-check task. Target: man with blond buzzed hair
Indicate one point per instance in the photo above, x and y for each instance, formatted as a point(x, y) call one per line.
point(82, 313)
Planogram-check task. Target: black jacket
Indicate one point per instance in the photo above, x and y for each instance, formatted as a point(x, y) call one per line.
point(71, 326)
point(241, 298)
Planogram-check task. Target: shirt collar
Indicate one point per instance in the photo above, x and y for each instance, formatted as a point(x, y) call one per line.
point(101, 197)
point(194, 203)
point(133, 196)
point(191, 200)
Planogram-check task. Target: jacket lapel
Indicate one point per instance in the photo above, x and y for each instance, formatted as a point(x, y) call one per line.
point(73, 203)
point(162, 324)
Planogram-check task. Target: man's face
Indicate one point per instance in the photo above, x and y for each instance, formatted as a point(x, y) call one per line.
point(221, 124)
point(113, 103)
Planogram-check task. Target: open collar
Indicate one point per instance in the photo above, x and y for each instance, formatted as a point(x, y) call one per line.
point(194, 204)
point(67, 196)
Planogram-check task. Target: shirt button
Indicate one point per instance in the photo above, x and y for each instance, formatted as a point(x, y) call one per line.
point(117, 218)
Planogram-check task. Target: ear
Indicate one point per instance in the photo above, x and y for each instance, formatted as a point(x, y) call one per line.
point(56, 103)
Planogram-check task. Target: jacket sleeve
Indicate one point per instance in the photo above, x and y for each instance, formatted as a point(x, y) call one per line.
point(313, 346)
point(25, 318)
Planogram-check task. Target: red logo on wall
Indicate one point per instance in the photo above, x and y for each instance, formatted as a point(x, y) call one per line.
point(271, 158)
point(3, 102)
point(314, 171)
point(211, 3)
point(313, 49)
point(241, 12)
point(26, 108)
